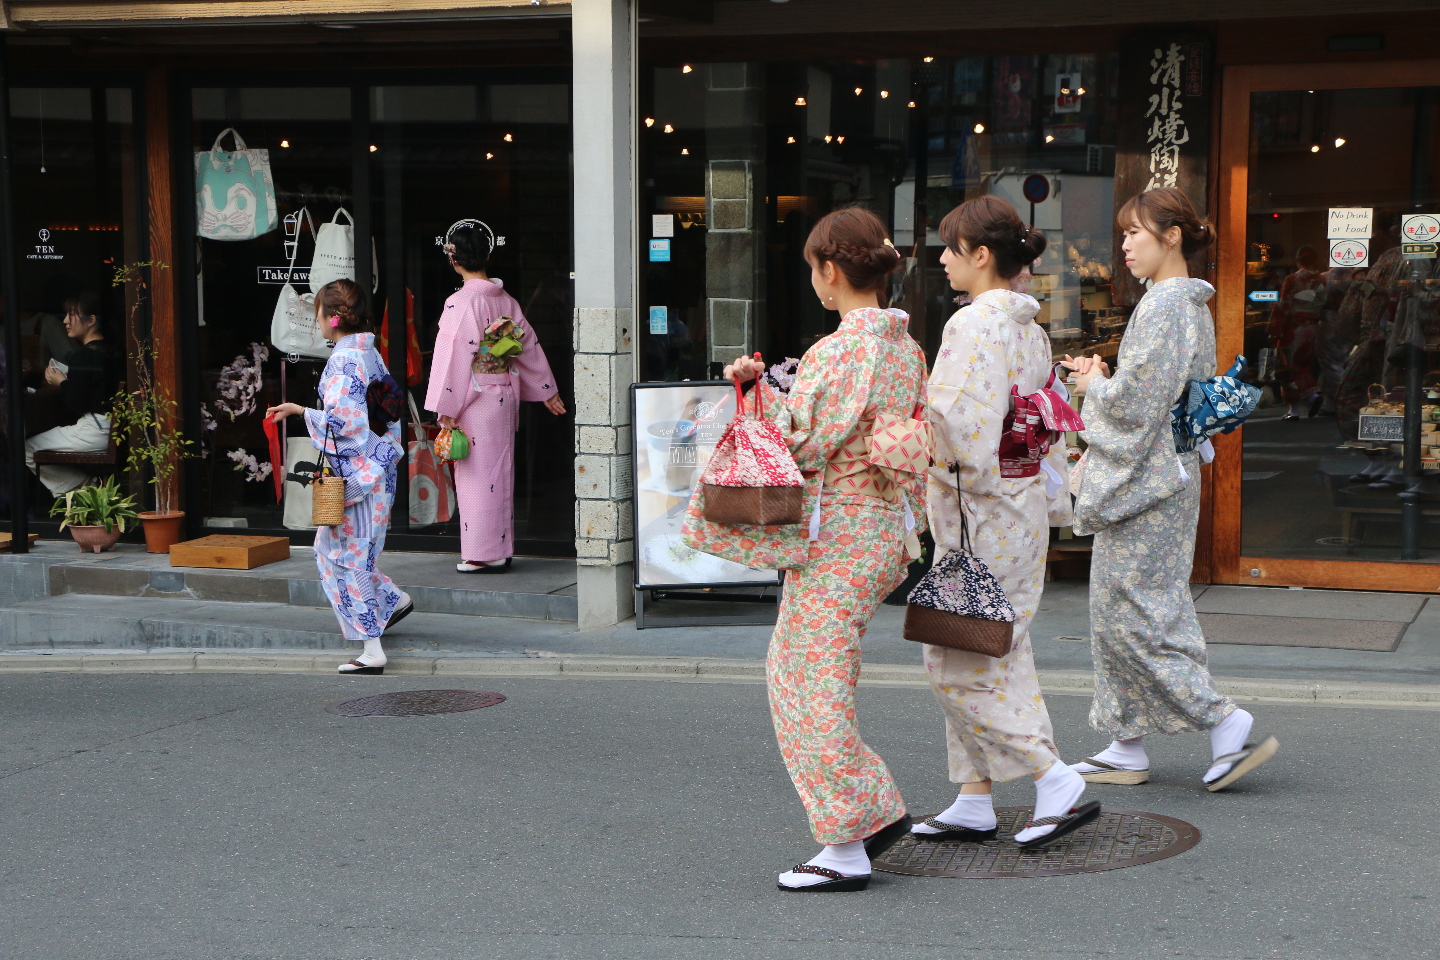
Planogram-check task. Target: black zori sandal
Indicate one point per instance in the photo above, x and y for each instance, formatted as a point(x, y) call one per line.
point(360, 668)
point(951, 833)
point(400, 614)
point(1064, 825)
point(1242, 762)
point(838, 882)
point(885, 838)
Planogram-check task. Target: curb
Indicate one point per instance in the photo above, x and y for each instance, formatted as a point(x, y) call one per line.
point(694, 669)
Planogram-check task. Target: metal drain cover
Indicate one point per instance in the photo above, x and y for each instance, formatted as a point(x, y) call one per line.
point(1119, 838)
point(415, 703)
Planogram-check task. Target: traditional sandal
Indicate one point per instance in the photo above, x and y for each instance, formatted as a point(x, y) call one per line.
point(465, 566)
point(360, 668)
point(952, 833)
point(1109, 773)
point(399, 615)
point(1242, 762)
point(1064, 825)
point(886, 837)
point(838, 882)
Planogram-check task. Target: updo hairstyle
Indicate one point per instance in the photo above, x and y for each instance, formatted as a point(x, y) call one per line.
point(1160, 209)
point(472, 248)
point(991, 222)
point(347, 300)
point(854, 239)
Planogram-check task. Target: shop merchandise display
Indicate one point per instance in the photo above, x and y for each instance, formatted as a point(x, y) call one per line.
point(294, 329)
point(432, 490)
point(335, 253)
point(234, 192)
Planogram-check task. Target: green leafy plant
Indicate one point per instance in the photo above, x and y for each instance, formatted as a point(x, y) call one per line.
point(146, 419)
point(101, 506)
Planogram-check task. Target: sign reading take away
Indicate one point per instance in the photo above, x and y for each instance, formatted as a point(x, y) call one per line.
point(1350, 223)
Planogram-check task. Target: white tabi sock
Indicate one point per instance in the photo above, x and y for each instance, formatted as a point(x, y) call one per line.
point(1055, 793)
point(1126, 754)
point(1226, 737)
point(374, 655)
point(974, 811)
point(849, 859)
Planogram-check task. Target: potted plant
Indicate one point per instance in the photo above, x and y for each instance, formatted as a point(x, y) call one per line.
point(96, 516)
point(146, 420)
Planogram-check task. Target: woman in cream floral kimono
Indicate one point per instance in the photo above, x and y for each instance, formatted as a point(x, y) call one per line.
point(838, 575)
point(996, 724)
point(1142, 501)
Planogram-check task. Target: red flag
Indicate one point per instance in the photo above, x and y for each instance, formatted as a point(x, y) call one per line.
point(277, 456)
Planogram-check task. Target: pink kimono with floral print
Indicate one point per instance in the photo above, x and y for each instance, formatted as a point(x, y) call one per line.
point(835, 583)
point(487, 408)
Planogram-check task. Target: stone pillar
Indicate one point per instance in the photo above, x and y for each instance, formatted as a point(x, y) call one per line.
point(605, 244)
point(734, 209)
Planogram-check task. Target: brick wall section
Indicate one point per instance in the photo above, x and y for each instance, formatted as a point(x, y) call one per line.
point(604, 450)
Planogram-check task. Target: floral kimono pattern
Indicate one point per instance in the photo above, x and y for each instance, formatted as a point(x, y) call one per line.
point(1142, 501)
point(870, 365)
point(346, 554)
point(486, 404)
point(996, 725)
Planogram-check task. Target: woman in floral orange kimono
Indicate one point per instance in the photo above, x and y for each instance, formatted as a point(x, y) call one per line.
point(840, 568)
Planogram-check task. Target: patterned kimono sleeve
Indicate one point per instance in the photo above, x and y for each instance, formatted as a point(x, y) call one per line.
point(345, 413)
point(1123, 412)
point(969, 397)
point(455, 345)
point(531, 370)
point(831, 390)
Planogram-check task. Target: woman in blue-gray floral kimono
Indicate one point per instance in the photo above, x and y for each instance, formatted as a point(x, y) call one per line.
point(1141, 500)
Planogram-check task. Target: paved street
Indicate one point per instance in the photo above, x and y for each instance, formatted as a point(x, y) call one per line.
point(200, 817)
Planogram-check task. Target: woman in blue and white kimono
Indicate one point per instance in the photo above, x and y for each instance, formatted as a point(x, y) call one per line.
point(358, 428)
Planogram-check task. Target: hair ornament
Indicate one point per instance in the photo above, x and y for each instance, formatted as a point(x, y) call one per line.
point(449, 248)
point(335, 321)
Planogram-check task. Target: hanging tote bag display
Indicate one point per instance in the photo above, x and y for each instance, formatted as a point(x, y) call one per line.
point(300, 466)
point(294, 330)
point(335, 253)
point(432, 492)
point(959, 604)
point(234, 192)
point(751, 477)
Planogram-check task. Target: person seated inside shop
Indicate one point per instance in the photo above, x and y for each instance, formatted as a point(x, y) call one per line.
point(84, 382)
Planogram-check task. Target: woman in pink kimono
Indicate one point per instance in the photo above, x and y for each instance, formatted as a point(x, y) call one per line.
point(477, 380)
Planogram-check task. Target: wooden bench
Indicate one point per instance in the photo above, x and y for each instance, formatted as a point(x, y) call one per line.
point(103, 462)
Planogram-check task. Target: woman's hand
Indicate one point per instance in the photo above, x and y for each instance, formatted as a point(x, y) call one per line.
point(1086, 369)
point(743, 369)
point(448, 423)
point(277, 413)
point(53, 376)
point(555, 405)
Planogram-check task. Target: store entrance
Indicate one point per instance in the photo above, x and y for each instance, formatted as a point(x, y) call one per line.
point(1330, 289)
point(401, 158)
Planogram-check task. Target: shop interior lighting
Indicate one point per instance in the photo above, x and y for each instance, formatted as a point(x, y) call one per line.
point(1081, 91)
point(684, 151)
point(1065, 91)
point(687, 69)
point(1049, 138)
point(669, 128)
point(828, 138)
point(1315, 148)
point(912, 103)
point(373, 148)
point(789, 139)
point(840, 139)
point(979, 128)
point(859, 90)
point(509, 138)
point(929, 59)
point(884, 94)
point(649, 121)
point(489, 156)
point(1339, 141)
point(800, 101)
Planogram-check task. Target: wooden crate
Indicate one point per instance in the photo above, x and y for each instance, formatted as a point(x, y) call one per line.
point(6, 541)
point(229, 552)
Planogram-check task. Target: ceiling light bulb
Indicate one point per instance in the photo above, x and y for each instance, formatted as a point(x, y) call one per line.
point(840, 139)
point(828, 138)
point(789, 139)
point(649, 121)
point(684, 151)
point(979, 128)
point(929, 59)
point(884, 94)
point(669, 128)
point(509, 138)
point(284, 143)
point(1081, 91)
point(859, 90)
point(1049, 138)
point(686, 69)
point(373, 148)
point(1339, 141)
point(912, 103)
point(1315, 148)
point(489, 156)
point(799, 101)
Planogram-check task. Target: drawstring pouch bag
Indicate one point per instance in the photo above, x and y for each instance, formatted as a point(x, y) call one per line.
point(234, 192)
point(1035, 422)
point(1218, 405)
point(751, 477)
point(452, 445)
point(960, 605)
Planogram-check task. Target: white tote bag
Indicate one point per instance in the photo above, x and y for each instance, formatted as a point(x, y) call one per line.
point(294, 331)
point(234, 192)
point(335, 253)
point(300, 457)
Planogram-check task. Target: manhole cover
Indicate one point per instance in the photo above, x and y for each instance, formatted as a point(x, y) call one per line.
point(1119, 838)
point(415, 703)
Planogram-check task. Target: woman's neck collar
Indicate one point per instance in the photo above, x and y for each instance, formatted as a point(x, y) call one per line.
point(468, 275)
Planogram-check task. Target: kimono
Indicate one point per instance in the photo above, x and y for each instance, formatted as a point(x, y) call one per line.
point(834, 583)
point(364, 598)
point(1142, 501)
point(483, 396)
point(996, 725)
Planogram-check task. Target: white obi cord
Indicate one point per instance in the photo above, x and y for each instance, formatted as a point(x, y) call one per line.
point(912, 542)
point(815, 516)
point(1207, 454)
point(1054, 483)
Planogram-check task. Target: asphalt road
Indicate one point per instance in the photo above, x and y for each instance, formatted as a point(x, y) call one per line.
point(206, 817)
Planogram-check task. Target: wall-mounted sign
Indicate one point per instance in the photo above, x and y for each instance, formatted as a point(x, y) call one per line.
point(282, 275)
point(662, 225)
point(1419, 228)
point(44, 250)
point(659, 251)
point(1264, 296)
point(1350, 223)
point(660, 320)
point(1419, 251)
point(1349, 253)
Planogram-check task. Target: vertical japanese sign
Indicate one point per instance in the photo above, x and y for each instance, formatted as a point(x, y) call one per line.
point(1164, 128)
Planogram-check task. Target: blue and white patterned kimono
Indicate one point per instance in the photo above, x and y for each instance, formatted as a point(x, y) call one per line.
point(364, 598)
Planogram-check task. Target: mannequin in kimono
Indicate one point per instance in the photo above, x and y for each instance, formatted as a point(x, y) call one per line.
point(1141, 500)
point(479, 392)
point(996, 724)
point(358, 427)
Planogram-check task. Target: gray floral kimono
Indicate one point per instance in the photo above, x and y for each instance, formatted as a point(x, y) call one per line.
point(1142, 502)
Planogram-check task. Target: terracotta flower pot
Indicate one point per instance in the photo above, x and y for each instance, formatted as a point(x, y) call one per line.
point(162, 530)
point(94, 539)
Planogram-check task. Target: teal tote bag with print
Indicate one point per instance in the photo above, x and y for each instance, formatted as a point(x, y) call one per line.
point(234, 192)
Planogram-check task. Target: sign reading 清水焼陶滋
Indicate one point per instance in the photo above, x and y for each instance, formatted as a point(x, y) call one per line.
point(1350, 223)
point(282, 275)
point(1349, 253)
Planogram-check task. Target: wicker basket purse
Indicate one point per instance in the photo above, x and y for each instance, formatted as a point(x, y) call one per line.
point(327, 491)
point(751, 477)
point(959, 604)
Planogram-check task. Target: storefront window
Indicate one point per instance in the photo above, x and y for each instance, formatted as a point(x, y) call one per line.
point(434, 154)
point(738, 161)
point(1341, 326)
point(76, 201)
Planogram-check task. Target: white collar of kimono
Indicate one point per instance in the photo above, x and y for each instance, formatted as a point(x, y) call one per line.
point(1192, 288)
point(889, 324)
point(1020, 307)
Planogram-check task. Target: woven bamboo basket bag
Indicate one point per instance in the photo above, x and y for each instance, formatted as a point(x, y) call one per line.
point(327, 491)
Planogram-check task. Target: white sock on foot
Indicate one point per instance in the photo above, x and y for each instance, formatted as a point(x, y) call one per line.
point(849, 859)
point(1055, 793)
point(374, 655)
point(974, 811)
point(1226, 737)
point(1126, 754)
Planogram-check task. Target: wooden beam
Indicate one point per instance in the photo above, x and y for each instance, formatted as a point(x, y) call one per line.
point(164, 330)
point(82, 13)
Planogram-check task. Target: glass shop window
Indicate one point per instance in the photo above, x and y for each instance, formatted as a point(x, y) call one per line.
point(77, 198)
